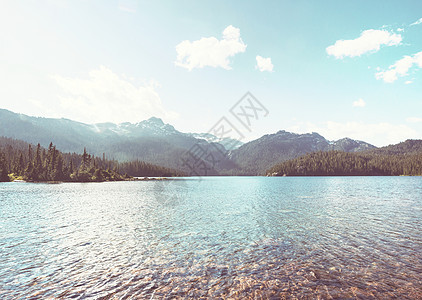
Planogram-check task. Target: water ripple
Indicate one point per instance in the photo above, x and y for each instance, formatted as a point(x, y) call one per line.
point(213, 238)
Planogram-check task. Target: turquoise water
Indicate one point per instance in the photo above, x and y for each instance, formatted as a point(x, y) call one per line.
point(357, 237)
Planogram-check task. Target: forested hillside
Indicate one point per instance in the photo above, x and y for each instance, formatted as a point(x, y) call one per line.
point(20, 160)
point(257, 156)
point(403, 148)
point(401, 159)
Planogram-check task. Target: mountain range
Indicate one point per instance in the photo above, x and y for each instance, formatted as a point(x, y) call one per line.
point(155, 142)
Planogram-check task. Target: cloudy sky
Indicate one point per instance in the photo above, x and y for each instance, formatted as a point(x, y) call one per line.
point(339, 68)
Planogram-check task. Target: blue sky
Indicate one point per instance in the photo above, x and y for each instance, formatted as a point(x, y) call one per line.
point(339, 68)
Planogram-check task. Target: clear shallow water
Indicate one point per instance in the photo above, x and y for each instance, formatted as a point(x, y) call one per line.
point(237, 237)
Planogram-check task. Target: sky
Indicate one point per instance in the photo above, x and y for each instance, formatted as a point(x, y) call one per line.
point(340, 68)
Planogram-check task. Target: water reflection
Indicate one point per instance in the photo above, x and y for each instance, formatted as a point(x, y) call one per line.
point(216, 237)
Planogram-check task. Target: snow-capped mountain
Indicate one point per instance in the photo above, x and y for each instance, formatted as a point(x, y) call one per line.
point(228, 143)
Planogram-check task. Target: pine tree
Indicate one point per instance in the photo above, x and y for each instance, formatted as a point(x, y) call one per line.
point(29, 171)
point(20, 165)
point(70, 168)
point(29, 152)
point(58, 167)
point(3, 168)
point(38, 166)
point(85, 160)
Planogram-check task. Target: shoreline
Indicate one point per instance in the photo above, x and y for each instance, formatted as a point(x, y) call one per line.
point(195, 177)
point(58, 182)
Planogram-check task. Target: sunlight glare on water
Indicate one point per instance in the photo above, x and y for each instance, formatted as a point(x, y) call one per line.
point(213, 237)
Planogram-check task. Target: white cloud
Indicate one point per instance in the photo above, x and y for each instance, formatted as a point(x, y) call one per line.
point(369, 41)
point(378, 134)
point(417, 22)
point(400, 29)
point(359, 103)
point(210, 51)
point(418, 59)
point(408, 82)
point(400, 68)
point(414, 120)
point(264, 64)
point(107, 97)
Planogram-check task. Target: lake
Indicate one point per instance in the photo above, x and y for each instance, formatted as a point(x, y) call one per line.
point(304, 237)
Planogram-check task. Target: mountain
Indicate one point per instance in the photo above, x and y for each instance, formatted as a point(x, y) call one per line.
point(151, 140)
point(259, 155)
point(349, 145)
point(71, 135)
point(228, 143)
point(407, 147)
point(158, 143)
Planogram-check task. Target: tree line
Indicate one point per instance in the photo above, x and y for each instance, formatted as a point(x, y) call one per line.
point(20, 160)
point(402, 159)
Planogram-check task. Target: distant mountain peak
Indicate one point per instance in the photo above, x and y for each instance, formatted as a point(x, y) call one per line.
point(286, 134)
point(156, 121)
point(350, 145)
point(227, 142)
